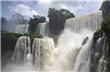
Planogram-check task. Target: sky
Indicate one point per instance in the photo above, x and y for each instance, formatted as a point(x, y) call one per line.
point(28, 8)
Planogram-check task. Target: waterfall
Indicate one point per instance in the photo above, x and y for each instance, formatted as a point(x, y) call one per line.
point(43, 29)
point(74, 51)
point(22, 52)
point(22, 28)
point(90, 22)
point(70, 53)
point(83, 58)
point(22, 57)
point(42, 50)
point(74, 44)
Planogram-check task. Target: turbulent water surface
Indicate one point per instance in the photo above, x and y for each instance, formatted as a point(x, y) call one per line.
point(72, 52)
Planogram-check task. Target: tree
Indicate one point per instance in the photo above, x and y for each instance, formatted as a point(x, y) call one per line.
point(3, 23)
point(106, 10)
point(33, 22)
point(8, 42)
point(106, 17)
point(3, 19)
point(106, 28)
point(57, 20)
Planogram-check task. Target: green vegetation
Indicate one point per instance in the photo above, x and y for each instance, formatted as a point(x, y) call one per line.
point(97, 34)
point(3, 19)
point(56, 25)
point(106, 11)
point(3, 22)
point(106, 17)
point(33, 23)
point(32, 36)
point(105, 27)
point(57, 20)
point(8, 40)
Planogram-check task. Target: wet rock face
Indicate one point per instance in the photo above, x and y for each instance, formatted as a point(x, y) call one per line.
point(101, 43)
point(99, 53)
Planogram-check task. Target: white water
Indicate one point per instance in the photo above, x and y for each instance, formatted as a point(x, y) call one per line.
point(101, 43)
point(22, 28)
point(90, 22)
point(22, 57)
point(70, 54)
point(42, 29)
point(22, 51)
point(83, 58)
point(42, 50)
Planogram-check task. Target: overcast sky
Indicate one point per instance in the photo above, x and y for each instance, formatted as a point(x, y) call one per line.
point(28, 8)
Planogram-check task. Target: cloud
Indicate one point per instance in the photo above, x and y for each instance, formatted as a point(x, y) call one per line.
point(86, 8)
point(79, 7)
point(24, 10)
point(45, 1)
point(40, 7)
point(50, 1)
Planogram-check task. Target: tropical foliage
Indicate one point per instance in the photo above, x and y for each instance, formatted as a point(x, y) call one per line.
point(57, 19)
point(33, 22)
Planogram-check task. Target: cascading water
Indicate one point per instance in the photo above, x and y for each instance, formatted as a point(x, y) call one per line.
point(22, 28)
point(42, 50)
point(83, 58)
point(90, 22)
point(22, 50)
point(83, 26)
point(22, 58)
point(73, 50)
point(68, 50)
point(43, 29)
